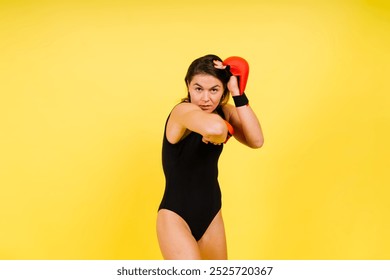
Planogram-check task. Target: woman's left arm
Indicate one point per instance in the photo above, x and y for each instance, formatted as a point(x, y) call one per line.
point(247, 128)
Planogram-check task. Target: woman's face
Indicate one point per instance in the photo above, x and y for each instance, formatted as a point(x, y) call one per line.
point(206, 92)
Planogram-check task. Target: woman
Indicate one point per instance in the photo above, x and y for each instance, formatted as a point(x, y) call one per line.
point(189, 220)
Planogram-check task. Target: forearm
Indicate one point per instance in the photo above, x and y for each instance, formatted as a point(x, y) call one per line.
point(215, 131)
point(248, 123)
point(211, 126)
point(250, 127)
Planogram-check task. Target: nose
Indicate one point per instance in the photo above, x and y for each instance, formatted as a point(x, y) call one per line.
point(205, 96)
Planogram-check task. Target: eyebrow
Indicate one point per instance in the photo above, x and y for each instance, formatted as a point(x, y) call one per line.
point(196, 84)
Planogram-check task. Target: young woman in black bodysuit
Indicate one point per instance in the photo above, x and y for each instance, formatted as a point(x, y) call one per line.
point(189, 220)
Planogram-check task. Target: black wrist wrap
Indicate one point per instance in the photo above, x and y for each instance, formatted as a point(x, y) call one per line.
point(240, 100)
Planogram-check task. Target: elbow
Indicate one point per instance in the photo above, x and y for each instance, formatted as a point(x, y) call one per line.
point(217, 131)
point(257, 144)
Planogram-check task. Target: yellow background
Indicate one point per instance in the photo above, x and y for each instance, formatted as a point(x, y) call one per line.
point(86, 87)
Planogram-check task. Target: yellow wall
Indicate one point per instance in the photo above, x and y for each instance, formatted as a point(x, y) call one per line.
point(85, 90)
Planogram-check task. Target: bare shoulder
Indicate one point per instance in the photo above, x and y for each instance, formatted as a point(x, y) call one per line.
point(175, 129)
point(180, 110)
point(184, 107)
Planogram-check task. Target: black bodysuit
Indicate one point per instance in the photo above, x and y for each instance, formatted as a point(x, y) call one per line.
point(191, 173)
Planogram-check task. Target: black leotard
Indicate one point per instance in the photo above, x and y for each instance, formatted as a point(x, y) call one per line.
point(191, 173)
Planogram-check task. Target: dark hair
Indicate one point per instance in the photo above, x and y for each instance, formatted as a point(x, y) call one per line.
point(205, 65)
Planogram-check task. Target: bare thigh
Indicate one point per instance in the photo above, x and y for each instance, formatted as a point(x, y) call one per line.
point(212, 245)
point(175, 237)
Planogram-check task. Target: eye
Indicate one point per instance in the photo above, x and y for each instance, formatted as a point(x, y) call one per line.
point(214, 90)
point(198, 89)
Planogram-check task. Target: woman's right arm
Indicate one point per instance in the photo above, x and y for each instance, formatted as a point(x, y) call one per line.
point(188, 116)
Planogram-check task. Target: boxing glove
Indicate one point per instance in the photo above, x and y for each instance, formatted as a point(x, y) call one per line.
point(239, 67)
point(230, 131)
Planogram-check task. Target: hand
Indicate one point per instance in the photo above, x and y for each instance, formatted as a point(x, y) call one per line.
point(206, 141)
point(233, 82)
point(239, 67)
point(218, 64)
point(233, 86)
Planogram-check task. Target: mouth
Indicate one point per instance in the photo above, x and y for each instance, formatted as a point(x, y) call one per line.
point(205, 107)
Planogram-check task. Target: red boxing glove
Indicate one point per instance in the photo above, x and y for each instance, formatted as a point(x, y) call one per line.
point(230, 131)
point(239, 67)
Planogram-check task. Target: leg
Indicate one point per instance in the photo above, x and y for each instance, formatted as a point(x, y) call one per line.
point(175, 238)
point(212, 245)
